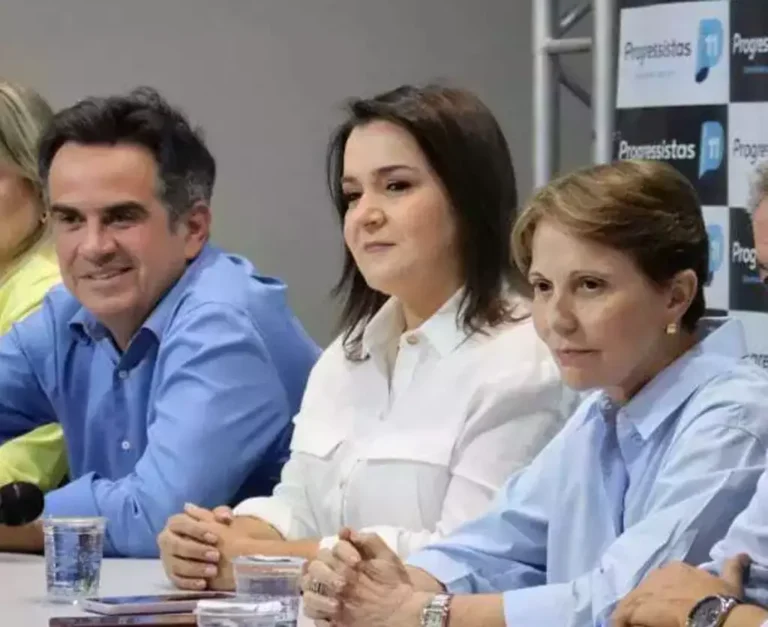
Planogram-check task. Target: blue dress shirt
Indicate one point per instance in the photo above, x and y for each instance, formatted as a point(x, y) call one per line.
point(749, 534)
point(619, 491)
point(197, 409)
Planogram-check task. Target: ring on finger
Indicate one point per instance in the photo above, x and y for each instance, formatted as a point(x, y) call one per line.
point(319, 588)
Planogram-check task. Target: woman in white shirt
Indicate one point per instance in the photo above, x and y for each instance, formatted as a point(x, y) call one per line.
point(438, 388)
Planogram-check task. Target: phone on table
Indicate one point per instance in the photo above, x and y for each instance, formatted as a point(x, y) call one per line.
point(139, 620)
point(150, 603)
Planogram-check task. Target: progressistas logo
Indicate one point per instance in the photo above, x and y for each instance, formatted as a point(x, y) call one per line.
point(668, 49)
point(709, 151)
point(744, 255)
point(749, 47)
point(716, 249)
point(711, 147)
point(709, 48)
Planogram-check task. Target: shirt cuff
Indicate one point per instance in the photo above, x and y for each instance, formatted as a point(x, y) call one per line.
point(454, 575)
point(271, 511)
point(74, 499)
point(550, 604)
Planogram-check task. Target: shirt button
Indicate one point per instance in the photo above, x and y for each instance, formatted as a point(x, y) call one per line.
point(412, 340)
point(123, 374)
point(126, 445)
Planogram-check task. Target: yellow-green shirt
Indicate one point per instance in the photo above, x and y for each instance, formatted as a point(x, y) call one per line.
point(39, 456)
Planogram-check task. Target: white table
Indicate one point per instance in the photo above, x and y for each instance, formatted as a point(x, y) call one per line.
point(22, 587)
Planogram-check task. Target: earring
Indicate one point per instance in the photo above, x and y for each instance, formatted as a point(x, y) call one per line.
point(44, 217)
point(672, 328)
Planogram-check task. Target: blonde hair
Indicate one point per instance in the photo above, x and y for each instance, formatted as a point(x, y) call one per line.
point(24, 116)
point(646, 209)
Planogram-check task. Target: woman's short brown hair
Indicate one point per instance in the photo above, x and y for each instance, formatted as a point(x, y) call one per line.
point(646, 209)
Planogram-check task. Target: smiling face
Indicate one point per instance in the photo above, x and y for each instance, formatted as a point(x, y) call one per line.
point(399, 224)
point(117, 250)
point(601, 317)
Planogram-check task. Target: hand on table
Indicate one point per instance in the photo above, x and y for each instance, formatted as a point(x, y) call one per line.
point(196, 547)
point(667, 596)
point(360, 582)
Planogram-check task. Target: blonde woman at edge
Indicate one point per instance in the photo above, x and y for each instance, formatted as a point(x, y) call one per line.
point(28, 267)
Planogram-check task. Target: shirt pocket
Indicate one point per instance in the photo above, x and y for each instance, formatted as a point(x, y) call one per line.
point(320, 439)
point(414, 469)
point(428, 447)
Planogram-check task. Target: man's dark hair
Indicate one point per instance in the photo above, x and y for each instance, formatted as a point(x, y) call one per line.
point(186, 169)
point(466, 148)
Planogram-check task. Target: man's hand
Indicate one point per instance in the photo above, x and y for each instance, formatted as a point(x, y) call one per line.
point(24, 539)
point(667, 596)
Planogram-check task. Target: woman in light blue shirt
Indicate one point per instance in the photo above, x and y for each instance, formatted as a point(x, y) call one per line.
point(653, 466)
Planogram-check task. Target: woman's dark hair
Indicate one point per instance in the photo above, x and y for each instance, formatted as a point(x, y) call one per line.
point(186, 169)
point(465, 147)
point(645, 209)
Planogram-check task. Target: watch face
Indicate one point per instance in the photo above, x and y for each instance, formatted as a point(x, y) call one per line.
point(707, 613)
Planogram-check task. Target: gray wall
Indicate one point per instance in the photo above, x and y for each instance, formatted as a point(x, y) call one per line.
point(265, 78)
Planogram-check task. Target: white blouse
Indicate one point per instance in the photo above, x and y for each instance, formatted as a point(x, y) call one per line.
point(414, 454)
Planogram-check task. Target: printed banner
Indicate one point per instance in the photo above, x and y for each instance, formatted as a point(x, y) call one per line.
point(693, 92)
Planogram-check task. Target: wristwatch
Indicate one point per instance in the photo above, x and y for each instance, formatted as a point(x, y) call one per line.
point(435, 613)
point(712, 611)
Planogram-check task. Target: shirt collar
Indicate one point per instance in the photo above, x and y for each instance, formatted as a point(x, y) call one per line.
point(723, 343)
point(84, 325)
point(443, 330)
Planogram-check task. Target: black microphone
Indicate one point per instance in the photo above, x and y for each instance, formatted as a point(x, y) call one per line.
point(20, 503)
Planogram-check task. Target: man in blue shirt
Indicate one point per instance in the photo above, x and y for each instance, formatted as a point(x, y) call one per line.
point(172, 367)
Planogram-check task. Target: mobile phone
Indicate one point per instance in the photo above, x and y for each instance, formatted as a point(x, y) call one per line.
point(150, 604)
point(143, 620)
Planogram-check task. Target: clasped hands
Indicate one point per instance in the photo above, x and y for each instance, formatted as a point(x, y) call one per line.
point(197, 546)
point(361, 582)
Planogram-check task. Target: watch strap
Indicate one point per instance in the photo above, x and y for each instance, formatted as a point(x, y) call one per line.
point(436, 612)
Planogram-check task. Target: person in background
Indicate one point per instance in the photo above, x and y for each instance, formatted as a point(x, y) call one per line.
point(678, 593)
point(437, 388)
point(28, 267)
point(654, 465)
point(758, 207)
point(173, 368)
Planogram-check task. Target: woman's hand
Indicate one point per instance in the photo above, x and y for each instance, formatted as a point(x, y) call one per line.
point(361, 583)
point(192, 548)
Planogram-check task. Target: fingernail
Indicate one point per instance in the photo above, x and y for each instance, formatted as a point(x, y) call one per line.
point(210, 538)
point(212, 556)
point(339, 584)
point(200, 584)
point(210, 571)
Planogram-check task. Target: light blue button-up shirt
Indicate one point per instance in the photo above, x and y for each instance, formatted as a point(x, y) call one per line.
point(749, 534)
point(573, 533)
point(197, 408)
